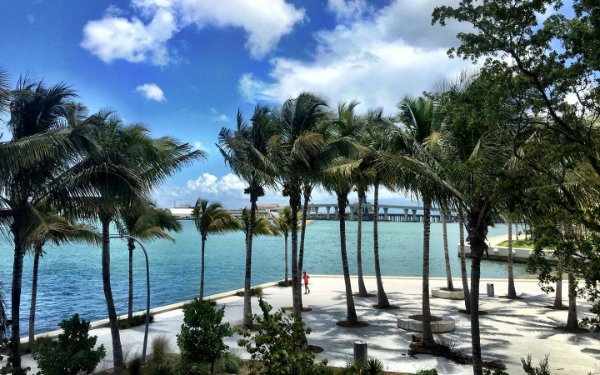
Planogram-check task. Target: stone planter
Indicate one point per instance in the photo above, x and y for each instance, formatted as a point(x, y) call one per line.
point(447, 294)
point(438, 325)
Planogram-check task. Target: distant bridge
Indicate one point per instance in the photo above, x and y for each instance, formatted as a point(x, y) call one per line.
point(326, 211)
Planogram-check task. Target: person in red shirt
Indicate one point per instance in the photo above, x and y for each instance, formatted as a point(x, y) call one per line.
point(305, 277)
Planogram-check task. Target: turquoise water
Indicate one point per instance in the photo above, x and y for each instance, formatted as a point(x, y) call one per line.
point(70, 276)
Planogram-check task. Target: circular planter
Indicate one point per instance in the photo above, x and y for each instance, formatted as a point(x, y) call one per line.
point(448, 294)
point(438, 325)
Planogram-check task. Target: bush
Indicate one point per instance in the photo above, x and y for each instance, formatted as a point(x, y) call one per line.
point(373, 367)
point(74, 351)
point(136, 320)
point(543, 368)
point(230, 363)
point(428, 372)
point(202, 333)
point(279, 347)
point(254, 292)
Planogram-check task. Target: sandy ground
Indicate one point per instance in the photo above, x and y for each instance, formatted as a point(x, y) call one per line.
point(511, 330)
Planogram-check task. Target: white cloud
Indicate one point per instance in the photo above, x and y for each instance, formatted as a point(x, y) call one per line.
point(144, 36)
point(375, 60)
point(151, 91)
point(348, 9)
point(207, 183)
point(217, 116)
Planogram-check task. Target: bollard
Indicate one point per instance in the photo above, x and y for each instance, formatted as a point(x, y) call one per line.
point(490, 290)
point(360, 354)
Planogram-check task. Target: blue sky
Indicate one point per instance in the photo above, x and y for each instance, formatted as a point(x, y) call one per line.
point(184, 67)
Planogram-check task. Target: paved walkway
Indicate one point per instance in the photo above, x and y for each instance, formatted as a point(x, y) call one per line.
point(511, 330)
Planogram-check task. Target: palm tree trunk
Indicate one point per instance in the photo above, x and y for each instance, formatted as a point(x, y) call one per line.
point(559, 281)
point(307, 190)
point(110, 304)
point(362, 290)
point(130, 247)
point(285, 236)
point(572, 322)
point(382, 300)
point(17, 282)
point(463, 263)
point(202, 270)
point(477, 237)
point(350, 309)
point(34, 283)
point(296, 292)
point(248, 273)
point(427, 333)
point(449, 283)
point(512, 293)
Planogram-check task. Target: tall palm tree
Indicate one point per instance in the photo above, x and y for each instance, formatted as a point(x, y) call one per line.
point(211, 218)
point(145, 222)
point(283, 223)
point(362, 196)
point(339, 176)
point(476, 118)
point(245, 151)
point(57, 230)
point(35, 111)
point(375, 137)
point(443, 217)
point(418, 117)
point(290, 149)
point(463, 262)
point(512, 293)
point(126, 165)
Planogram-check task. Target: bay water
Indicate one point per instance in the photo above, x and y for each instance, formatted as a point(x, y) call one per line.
point(70, 279)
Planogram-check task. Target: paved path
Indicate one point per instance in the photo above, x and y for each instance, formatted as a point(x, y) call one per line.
point(511, 330)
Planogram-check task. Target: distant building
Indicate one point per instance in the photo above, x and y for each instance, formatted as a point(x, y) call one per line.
point(183, 212)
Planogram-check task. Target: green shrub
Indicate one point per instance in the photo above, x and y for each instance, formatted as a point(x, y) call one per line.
point(428, 372)
point(542, 369)
point(230, 363)
point(202, 333)
point(136, 320)
point(161, 369)
point(160, 350)
point(279, 347)
point(74, 351)
point(254, 292)
point(373, 367)
point(496, 371)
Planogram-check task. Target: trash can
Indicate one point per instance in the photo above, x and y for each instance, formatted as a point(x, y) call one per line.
point(360, 354)
point(490, 290)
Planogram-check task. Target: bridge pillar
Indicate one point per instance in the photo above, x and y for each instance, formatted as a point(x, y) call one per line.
point(335, 212)
point(405, 218)
point(352, 212)
point(316, 213)
point(385, 214)
point(414, 215)
point(327, 213)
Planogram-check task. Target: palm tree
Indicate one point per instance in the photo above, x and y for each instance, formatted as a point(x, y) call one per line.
point(283, 223)
point(262, 226)
point(57, 230)
point(476, 118)
point(376, 138)
point(245, 151)
point(35, 111)
point(463, 262)
point(418, 117)
point(443, 217)
point(362, 197)
point(145, 222)
point(512, 293)
point(127, 163)
point(294, 143)
point(211, 218)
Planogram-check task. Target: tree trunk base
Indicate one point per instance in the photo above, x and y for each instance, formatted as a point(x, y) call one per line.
point(386, 307)
point(365, 295)
point(566, 329)
point(469, 313)
point(347, 324)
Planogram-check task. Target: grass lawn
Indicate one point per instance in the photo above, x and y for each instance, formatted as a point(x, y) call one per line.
point(521, 244)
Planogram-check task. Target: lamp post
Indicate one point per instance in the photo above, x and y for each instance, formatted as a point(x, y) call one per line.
point(145, 345)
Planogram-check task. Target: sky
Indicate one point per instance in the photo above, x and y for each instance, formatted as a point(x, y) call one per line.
point(184, 67)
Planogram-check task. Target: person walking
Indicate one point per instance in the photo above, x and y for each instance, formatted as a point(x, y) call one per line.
point(305, 277)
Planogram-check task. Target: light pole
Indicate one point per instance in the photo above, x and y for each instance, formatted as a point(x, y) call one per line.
point(145, 345)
